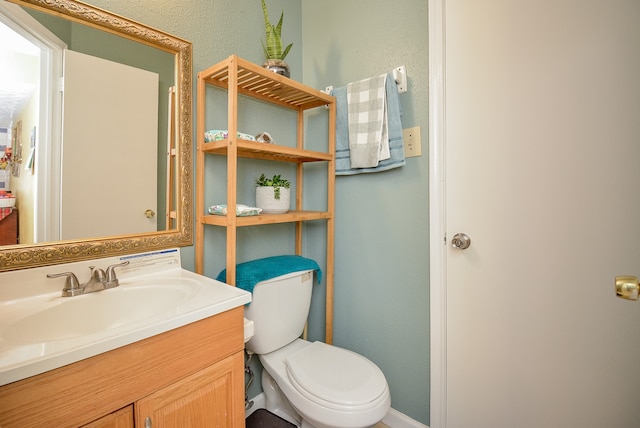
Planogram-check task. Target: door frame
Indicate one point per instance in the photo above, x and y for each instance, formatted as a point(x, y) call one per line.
point(49, 129)
point(437, 219)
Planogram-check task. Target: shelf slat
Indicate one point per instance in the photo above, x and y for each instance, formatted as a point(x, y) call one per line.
point(253, 149)
point(256, 220)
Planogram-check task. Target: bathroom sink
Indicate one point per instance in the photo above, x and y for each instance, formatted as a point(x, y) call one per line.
point(40, 330)
point(70, 317)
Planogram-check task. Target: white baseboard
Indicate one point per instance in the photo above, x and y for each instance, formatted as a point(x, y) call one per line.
point(393, 419)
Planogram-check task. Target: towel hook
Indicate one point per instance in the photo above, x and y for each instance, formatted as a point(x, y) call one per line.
point(327, 91)
point(400, 76)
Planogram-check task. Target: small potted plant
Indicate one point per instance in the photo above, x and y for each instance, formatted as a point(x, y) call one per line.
point(273, 194)
point(272, 46)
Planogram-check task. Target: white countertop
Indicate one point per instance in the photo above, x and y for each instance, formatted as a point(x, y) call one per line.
point(25, 293)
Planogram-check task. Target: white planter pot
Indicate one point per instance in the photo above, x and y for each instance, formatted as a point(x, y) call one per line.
point(266, 200)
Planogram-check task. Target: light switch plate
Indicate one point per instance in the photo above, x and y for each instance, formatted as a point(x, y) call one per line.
point(412, 142)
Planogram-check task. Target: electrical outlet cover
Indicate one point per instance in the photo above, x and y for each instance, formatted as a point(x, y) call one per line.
point(412, 142)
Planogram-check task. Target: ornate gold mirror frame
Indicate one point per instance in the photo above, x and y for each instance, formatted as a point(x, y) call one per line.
point(24, 256)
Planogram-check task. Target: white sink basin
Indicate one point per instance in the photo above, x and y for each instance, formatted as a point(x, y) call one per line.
point(40, 330)
point(70, 317)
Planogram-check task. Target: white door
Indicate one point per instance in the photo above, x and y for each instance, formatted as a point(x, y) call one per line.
point(110, 146)
point(541, 136)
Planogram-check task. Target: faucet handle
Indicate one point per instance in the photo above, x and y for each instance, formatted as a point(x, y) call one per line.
point(111, 274)
point(71, 285)
point(97, 274)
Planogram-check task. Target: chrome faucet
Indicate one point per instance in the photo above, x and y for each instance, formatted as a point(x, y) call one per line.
point(98, 280)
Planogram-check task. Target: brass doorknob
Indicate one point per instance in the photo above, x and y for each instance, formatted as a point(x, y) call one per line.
point(149, 213)
point(627, 287)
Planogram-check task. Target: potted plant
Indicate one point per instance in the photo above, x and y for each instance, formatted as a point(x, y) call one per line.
point(272, 46)
point(273, 194)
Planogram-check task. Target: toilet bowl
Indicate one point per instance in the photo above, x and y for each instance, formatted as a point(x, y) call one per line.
point(311, 384)
point(328, 386)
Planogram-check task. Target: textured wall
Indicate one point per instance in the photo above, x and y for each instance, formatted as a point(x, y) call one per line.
point(382, 248)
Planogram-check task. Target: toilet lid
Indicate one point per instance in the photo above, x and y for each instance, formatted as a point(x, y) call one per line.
point(336, 376)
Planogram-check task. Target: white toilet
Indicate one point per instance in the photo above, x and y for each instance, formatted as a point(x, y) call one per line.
point(310, 384)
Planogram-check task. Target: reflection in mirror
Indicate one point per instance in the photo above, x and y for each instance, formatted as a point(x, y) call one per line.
point(161, 60)
point(99, 137)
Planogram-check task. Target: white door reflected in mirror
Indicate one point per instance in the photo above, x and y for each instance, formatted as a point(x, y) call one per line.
point(97, 94)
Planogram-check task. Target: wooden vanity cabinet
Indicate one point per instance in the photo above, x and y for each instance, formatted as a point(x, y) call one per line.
point(189, 376)
point(122, 418)
point(203, 399)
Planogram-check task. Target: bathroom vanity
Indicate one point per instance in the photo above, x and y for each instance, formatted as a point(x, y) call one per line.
point(164, 349)
point(194, 373)
point(179, 365)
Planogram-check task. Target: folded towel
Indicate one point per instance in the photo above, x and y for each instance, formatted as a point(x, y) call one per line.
point(394, 121)
point(241, 210)
point(248, 274)
point(217, 135)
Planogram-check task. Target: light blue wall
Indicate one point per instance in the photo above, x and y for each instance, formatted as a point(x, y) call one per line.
point(381, 272)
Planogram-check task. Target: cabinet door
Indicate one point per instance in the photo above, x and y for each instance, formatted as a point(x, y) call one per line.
point(122, 418)
point(212, 397)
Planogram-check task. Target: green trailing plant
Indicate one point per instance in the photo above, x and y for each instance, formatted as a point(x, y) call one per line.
point(273, 46)
point(276, 182)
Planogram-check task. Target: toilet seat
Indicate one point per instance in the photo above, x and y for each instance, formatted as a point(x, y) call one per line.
point(335, 378)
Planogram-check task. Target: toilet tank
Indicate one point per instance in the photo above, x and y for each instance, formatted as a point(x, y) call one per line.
point(279, 309)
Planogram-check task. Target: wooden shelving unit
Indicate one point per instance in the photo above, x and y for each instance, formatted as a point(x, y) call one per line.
point(242, 78)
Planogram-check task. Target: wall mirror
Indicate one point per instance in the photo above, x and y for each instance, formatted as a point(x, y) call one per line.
point(176, 185)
